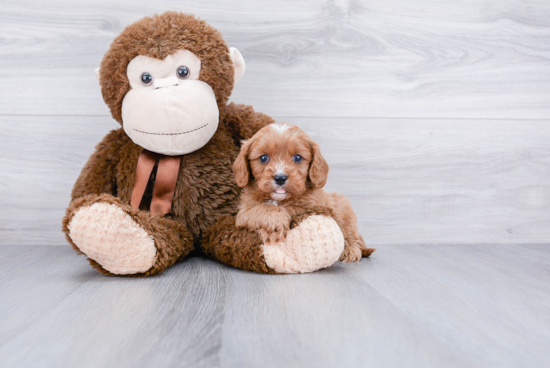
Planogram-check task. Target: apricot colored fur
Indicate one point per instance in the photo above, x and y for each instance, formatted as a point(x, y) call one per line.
point(271, 213)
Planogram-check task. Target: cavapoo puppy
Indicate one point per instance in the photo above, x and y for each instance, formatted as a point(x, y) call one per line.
point(282, 172)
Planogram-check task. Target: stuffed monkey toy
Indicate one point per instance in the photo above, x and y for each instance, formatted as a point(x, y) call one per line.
point(162, 185)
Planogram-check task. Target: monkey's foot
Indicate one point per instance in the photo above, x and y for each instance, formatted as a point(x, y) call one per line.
point(119, 240)
point(109, 236)
point(314, 241)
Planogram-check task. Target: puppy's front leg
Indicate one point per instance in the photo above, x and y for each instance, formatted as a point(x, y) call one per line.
point(272, 222)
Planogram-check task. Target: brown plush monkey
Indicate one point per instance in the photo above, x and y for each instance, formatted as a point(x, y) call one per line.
point(162, 185)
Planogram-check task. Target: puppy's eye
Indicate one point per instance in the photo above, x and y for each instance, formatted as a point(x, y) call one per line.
point(146, 78)
point(297, 159)
point(264, 159)
point(183, 72)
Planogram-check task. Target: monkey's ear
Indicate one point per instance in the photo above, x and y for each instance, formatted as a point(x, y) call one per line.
point(318, 170)
point(97, 73)
point(240, 166)
point(238, 63)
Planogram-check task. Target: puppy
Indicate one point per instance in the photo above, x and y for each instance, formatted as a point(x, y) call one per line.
point(282, 172)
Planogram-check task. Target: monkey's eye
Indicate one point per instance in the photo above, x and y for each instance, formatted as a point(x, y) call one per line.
point(183, 72)
point(146, 78)
point(264, 159)
point(297, 159)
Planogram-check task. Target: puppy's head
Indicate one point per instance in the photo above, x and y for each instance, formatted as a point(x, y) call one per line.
point(280, 161)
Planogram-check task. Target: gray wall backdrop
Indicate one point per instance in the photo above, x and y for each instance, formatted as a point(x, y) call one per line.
point(433, 114)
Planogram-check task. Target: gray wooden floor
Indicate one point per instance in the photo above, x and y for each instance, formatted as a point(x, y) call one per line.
point(408, 306)
point(434, 117)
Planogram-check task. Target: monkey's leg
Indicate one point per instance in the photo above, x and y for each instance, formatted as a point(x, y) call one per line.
point(119, 240)
point(315, 241)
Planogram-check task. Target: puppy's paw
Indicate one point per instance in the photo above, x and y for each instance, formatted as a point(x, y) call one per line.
point(367, 251)
point(275, 227)
point(351, 254)
point(270, 236)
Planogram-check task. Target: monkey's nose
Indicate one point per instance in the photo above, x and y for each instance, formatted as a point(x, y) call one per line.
point(165, 82)
point(280, 179)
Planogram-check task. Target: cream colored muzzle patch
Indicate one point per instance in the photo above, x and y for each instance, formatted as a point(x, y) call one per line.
point(170, 114)
point(173, 119)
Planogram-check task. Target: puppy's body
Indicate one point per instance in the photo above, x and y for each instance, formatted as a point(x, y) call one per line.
point(282, 172)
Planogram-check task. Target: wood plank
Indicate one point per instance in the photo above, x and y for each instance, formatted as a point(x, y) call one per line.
point(171, 320)
point(440, 181)
point(430, 58)
point(33, 280)
point(40, 160)
point(407, 306)
point(410, 180)
point(325, 319)
point(489, 303)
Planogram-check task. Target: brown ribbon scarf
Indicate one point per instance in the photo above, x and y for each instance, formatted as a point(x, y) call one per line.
point(165, 182)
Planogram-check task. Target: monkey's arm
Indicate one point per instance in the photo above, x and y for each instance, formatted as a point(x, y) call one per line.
point(243, 122)
point(313, 242)
point(99, 174)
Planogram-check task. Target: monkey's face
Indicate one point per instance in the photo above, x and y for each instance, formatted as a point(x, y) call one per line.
point(166, 79)
point(168, 109)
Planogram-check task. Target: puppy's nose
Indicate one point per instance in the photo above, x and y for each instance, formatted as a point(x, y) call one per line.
point(280, 179)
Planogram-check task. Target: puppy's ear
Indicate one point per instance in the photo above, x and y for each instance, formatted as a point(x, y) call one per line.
point(318, 170)
point(240, 166)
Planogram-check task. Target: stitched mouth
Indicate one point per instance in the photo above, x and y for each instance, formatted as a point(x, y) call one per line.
point(190, 131)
